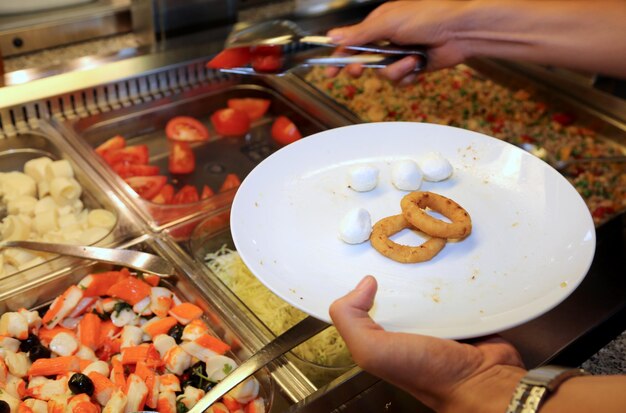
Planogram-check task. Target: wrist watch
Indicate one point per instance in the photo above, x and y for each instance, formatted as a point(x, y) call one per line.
point(537, 385)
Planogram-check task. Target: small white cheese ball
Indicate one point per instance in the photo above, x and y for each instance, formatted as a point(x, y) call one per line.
point(435, 167)
point(363, 178)
point(356, 226)
point(406, 175)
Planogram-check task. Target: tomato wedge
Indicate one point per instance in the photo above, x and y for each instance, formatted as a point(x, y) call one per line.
point(255, 108)
point(136, 154)
point(267, 58)
point(228, 58)
point(165, 195)
point(116, 142)
point(207, 192)
point(284, 131)
point(230, 122)
point(126, 170)
point(186, 128)
point(147, 187)
point(231, 181)
point(182, 159)
point(186, 195)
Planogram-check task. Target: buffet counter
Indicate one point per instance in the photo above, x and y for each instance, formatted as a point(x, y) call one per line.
point(68, 114)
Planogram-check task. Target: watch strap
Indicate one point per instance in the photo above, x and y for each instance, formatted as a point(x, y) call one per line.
point(537, 385)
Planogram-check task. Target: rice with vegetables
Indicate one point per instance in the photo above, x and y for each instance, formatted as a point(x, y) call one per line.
point(461, 97)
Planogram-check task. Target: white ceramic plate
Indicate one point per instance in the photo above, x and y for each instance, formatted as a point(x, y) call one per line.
point(532, 242)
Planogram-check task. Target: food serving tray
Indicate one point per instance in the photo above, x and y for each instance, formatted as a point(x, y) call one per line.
point(216, 158)
point(302, 380)
point(495, 99)
point(183, 283)
point(15, 152)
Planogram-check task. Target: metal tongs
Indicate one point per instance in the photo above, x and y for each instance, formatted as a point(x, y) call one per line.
point(290, 36)
point(137, 260)
point(297, 334)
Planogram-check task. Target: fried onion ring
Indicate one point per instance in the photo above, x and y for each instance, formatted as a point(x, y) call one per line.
point(388, 226)
point(413, 206)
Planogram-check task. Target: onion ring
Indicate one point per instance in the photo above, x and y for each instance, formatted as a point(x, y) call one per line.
point(413, 206)
point(398, 252)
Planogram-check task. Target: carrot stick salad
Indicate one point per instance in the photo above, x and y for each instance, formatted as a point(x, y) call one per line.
point(461, 97)
point(115, 342)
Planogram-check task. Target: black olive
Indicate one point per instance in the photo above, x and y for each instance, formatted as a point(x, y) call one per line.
point(80, 383)
point(38, 351)
point(29, 343)
point(4, 407)
point(176, 332)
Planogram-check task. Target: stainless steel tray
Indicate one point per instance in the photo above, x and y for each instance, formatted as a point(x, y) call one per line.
point(184, 283)
point(493, 98)
point(16, 151)
point(145, 124)
point(304, 383)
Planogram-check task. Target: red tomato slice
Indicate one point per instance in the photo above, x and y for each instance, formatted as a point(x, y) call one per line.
point(267, 58)
point(207, 192)
point(231, 181)
point(255, 108)
point(165, 195)
point(182, 159)
point(147, 187)
point(230, 122)
point(284, 131)
point(116, 142)
point(228, 58)
point(186, 128)
point(126, 170)
point(186, 195)
point(137, 154)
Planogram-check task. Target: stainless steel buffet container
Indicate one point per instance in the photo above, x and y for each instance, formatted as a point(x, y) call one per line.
point(211, 235)
point(307, 386)
point(145, 123)
point(498, 99)
point(186, 283)
point(46, 142)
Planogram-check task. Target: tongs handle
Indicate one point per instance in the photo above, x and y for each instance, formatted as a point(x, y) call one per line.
point(297, 334)
point(375, 61)
point(137, 260)
point(383, 47)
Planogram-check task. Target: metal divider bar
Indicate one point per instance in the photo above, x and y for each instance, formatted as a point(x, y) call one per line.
point(103, 98)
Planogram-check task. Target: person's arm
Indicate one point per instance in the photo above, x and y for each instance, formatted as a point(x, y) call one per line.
point(580, 35)
point(450, 376)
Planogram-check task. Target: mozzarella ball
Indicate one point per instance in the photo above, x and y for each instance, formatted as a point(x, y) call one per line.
point(406, 175)
point(363, 178)
point(356, 226)
point(435, 167)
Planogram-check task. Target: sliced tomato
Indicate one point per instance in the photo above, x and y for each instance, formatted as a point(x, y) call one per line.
point(231, 181)
point(165, 195)
point(284, 131)
point(182, 159)
point(126, 170)
point(230, 122)
point(228, 58)
point(267, 58)
point(186, 195)
point(136, 154)
point(116, 142)
point(186, 128)
point(147, 187)
point(255, 108)
point(207, 192)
